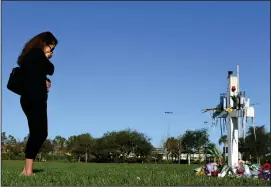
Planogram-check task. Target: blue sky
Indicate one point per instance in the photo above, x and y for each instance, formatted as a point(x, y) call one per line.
point(121, 65)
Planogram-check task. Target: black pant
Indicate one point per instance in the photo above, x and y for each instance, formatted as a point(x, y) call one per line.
point(36, 113)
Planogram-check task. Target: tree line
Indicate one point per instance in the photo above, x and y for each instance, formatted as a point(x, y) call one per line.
point(133, 146)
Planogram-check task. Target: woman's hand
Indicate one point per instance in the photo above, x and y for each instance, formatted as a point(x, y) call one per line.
point(48, 85)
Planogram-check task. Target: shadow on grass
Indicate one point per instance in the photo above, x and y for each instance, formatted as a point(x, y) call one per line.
point(38, 170)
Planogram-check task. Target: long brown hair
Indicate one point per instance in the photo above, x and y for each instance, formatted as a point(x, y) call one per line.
point(38, 41)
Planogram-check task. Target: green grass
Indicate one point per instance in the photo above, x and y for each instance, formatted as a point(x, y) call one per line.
point(81, 174)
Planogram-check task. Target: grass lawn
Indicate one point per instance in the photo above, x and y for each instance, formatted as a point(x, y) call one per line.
point(81, 174)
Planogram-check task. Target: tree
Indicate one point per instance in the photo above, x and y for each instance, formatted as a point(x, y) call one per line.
point(195, 141)
point(168, 144)
point(243, 149)
point(11, 144)
point(180, 147)
point(125, 142)
point(189, 143)
point(3, 138)
point(223, 140)
point(26, 138)
point(173, 147)
point(81, 145)
point(11, 140)
point(85, 142)
point(3, 141)
point(257, 148)
point(70, 143)
point(101, 150)
point(201, 140)
point(59, 143)
point(214, 150)
point(112, 146)
point(47, 147)
point(142, 144)
point(118, 145)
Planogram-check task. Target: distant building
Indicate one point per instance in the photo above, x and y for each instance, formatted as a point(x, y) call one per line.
point(184, 156)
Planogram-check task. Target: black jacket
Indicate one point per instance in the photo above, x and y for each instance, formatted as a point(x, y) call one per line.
point(35, 67)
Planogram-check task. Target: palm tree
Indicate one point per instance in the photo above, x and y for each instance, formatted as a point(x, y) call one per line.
point(223, 140)
point(214, 150)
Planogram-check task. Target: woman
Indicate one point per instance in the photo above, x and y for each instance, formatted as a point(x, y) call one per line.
point(35, 65)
